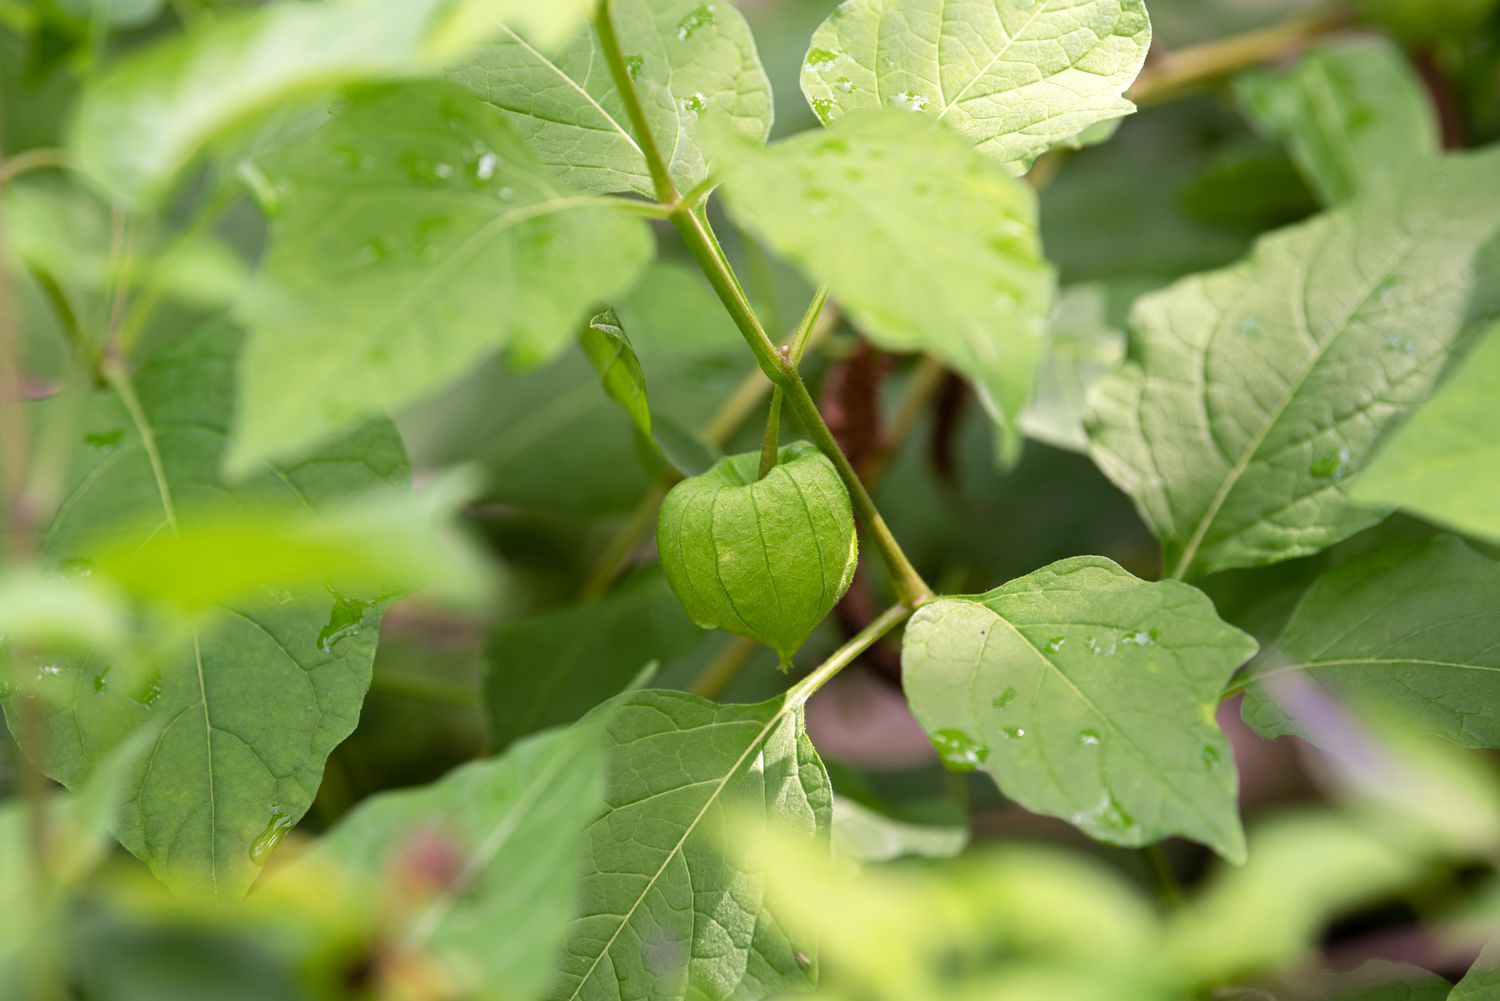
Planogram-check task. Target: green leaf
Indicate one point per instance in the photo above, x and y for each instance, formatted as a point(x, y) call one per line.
point(1443, 464)
point(1087, 694)
point(549, 669)
point(1086, 343)
point(417, 235)
point(1482, 983)
point(1013, 77)
point(867, 835)
point(1407, 631)
point(1380, 980)
point(1256, 392)
point(610, 352)
point(389, 542)
point(666, 913)
point(262, 690)
point(688, 59)
point(1304, 870)
point(1352, 116)
point(493, 849)
point(765, 558)
point(141, 124)
point(928, 246)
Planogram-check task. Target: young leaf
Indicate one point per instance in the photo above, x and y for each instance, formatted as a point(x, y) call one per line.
point(1256, 392)
point(688, 58)
point(416, 235)
point(143, 122)
point(765, 558)
point(1444, 464)
point(263, 690)
point(491, 851)
point(614, 358)
point(1352, 116)
point(666, 914)
point(1409, 630)
point(927, 245)
point(553, 668)
point(1013, 77)
point(1087, 694)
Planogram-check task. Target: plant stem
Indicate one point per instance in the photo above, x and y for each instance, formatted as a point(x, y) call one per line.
point(771, 445)
point(845, 655)
point(1177, 72)
point(693, 227)
point(1168, 889)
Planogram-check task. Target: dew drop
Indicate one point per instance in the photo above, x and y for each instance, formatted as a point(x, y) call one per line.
point(693, 20)
point(104, 439)
point(1400, 345)
point(844, 85)
point(101, 679)
point(485, 164)
point(374, 250)
point(1388, 290)
point(1334, 466)
point(1210, 757)
point(823, 108)
point(820, 57)
point(1013, 732)
point(908, 101)
point(1055, 644)
point(345, 619)
point(1005, 698)
point(1250, 326)
point(265, 843)
point(1089, 738)
point(696, 103)
point(1141, 637)
point(634, 65)
point(959, 751)
point(149, 694)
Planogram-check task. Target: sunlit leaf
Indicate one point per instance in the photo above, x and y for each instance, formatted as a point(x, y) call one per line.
point(1013, 77)
point(1254, 394)
point(417, 236)
point(1087, 694)
point(687, 58)
point(926, 244)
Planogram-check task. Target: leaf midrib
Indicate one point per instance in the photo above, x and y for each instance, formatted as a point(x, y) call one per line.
point(776, 718)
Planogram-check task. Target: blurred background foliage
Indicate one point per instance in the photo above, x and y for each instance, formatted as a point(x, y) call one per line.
point(1344, 875)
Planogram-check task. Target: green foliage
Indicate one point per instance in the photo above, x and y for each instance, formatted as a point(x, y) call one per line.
point(253, 699)
point(1352, 117)
point(1011, 76)
point(492, 845)
point(1058, 684)
point(1406, 631)
point(688, 60)
point(1254, 394)
point(423, 236)
point(665, 913)
point(766, 558)
point(959, 273)
point(405, 319)
point(1441, 464)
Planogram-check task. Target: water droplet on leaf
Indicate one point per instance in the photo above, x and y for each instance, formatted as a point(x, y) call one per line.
point(698, 17)
point(959, 751)
point(1334, 466)
point(265, 843)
